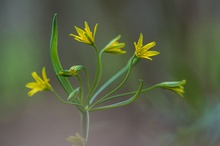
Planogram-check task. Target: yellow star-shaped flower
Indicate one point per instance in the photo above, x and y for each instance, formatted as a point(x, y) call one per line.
point(143, 51)
point(85, 36)
point(41, 84)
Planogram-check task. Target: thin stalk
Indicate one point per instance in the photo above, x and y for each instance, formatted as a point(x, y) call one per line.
point(81, 89)
point(98, 72)
point(88, 123)
point(126, 94)
point(113, 78)
point(87, 78)
point(121, 103)
point(119, 86)
point(84, 124)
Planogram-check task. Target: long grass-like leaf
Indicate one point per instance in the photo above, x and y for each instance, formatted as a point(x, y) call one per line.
point(55, 58)
point(122, 103)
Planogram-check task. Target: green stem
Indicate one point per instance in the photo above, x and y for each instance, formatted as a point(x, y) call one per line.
point(98, 72)
point(97, 76)
point(85, 122)
point(81, 89)
point(119, 86)
point(128, 93)
point(122, 103)
point(113, 78)
point(88, 123)
point(87, 79)
point(100, 69)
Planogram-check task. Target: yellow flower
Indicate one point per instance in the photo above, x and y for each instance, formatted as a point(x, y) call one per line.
point(114, 46)
point(41, 84)
point(142, 51)
point(85, 36)
point(77, 140)
point(176, 87)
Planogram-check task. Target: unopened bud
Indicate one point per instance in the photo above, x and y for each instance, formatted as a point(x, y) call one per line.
point(176, 87)
point(74, 70)
point(73, 95)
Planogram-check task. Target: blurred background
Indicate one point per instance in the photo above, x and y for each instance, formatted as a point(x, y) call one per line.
point(187, 34)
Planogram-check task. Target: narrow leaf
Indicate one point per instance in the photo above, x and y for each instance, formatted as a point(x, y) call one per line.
point(113, 78)
point(55, 58)
point(122, 103)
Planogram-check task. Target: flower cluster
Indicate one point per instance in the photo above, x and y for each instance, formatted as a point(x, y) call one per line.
point(87, 98)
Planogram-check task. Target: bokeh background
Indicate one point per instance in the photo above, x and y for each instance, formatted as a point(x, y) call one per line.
point(187, 33)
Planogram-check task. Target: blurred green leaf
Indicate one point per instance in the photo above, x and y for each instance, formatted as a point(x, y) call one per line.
point(55, 58)
point(122, 103)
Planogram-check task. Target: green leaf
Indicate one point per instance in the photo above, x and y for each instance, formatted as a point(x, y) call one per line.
point(55, 58)
point(113, 78)
point(122, 103)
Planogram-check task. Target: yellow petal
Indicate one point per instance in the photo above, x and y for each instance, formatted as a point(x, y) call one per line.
point(32, 92)
point(87, 29)
point(37, 78)
point(95, 29)
point(31, 85)
point(44, 75)
point(140, 40)
point(152, 53)
point(149, 45)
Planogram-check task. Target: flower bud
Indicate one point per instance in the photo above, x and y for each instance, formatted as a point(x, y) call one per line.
point(73, 95)
point(74, 70)
point(176, 87)
point(114, 46)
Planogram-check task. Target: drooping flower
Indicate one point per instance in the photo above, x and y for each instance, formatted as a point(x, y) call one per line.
point(114, 46)
point(143, 51)
point(176, 87)
point(85, 36)
point(41, 84)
